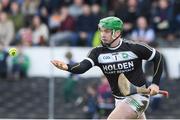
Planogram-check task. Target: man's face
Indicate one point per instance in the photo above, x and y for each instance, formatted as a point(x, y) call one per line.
point(105, 35)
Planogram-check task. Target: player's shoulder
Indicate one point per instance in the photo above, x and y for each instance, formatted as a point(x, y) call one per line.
point(135, 44)
point(130, 42)
point(96, 50)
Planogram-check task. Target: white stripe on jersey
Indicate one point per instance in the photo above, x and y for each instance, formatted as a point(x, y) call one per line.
point(152, 55)
point(147, 46)
point(139, 43)
point(90, 60)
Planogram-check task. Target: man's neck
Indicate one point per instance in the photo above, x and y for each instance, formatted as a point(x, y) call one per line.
point(116, 43)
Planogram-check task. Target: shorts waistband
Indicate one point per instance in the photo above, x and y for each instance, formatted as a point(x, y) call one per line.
point(118, 97)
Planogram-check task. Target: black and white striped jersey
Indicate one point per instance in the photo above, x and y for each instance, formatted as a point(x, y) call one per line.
point(122, 65)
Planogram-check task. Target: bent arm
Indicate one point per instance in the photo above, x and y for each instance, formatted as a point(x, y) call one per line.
point(158, 68)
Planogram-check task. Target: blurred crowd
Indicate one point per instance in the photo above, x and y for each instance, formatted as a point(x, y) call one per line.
point(96, 101)
point(13, 68)
point(74, 22)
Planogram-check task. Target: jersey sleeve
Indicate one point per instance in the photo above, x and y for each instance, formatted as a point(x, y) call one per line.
point(85, 65)
point(92, 56)
point(148, 53)
point(144, 51)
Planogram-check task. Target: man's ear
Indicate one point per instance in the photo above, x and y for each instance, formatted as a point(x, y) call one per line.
point(116, 34)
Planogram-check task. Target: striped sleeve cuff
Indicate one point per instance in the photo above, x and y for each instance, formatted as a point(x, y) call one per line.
point(152, 55)
point(91, 61)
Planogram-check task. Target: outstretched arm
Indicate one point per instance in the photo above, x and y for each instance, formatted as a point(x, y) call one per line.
point(77, 68)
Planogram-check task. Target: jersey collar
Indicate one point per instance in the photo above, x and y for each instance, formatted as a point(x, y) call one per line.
point(114, 48)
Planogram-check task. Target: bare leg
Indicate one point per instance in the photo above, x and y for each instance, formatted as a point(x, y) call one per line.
point(122, 111)
point(143, 117)
point(130, 107)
